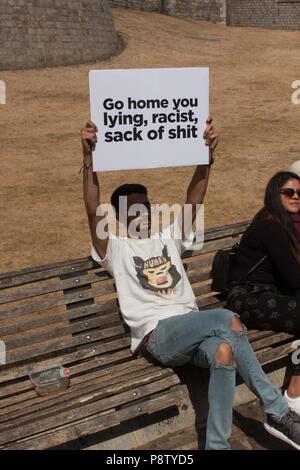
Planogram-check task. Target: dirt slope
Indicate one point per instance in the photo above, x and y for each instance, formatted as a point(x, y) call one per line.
point(41, 210)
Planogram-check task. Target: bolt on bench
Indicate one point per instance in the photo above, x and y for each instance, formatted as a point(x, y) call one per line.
point(67, 313)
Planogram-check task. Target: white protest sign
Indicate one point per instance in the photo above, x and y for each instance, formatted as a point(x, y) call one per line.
point(149, 118)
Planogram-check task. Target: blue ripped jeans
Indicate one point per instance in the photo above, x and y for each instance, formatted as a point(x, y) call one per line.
point(194, 338)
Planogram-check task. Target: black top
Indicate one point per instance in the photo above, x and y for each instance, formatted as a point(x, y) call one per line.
point(268, 237)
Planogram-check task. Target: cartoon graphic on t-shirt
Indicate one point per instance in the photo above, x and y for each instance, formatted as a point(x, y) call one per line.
point(157, 274)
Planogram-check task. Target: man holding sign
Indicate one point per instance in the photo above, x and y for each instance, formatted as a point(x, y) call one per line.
point(158, 304)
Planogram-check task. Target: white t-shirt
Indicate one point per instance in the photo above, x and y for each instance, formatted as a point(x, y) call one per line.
point(150, 279)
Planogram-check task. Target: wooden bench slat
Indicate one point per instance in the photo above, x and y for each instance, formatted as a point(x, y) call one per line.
point(198, 277)
point(9, 373)
point(25, 384)
point(28, 400)
point(49, 271)
point(211, 246)
point(49, 275)
point(273, 339)
point(252, 335)
point(62, 330)
point(86, 279)
point(184, 439)
point(60, 300)
point(99, 421)
point(279, 352)
point(110, 307)
point(105, 308)
point(44, 272)
point(201, 289)
point(23, 389)
point(10, 280)
point(80, 397)
point(42, 349)
point(208, 301)
point(45, 267)
point(106, 289)
point(38, 348)
point(140, 388)
point(226, 230)
point(26, 395)
point(77, 395)
point(81, 428)
point(199, 263)
point(57, 285)
point(54, 286)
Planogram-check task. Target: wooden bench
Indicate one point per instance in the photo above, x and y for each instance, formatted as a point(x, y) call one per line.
point(68, 313)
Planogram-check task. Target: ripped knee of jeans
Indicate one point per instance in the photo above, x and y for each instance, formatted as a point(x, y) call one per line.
point(224, 357)
point(237, 326)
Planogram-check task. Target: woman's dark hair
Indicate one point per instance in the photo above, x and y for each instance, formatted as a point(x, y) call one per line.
point(126, 190)
point(273, 208)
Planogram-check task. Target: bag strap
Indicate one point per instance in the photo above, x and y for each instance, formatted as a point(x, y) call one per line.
point(255, 267)
point(251, 270)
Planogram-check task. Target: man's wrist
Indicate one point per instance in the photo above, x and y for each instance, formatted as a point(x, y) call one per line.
point(88, 158)
point(87, 164)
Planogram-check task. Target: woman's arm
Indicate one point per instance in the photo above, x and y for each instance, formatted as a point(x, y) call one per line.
point(280, 253)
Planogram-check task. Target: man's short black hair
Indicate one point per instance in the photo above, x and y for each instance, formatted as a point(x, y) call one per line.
point(126, 190)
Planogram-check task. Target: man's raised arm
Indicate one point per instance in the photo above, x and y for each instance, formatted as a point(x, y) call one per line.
point(198, 185)
point(91, 190)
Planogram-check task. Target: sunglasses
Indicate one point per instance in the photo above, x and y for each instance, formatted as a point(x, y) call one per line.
point(290, 192)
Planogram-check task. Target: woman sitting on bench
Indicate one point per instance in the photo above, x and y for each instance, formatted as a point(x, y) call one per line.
point(269, 297)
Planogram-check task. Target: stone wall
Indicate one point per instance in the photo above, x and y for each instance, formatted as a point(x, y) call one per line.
point(210, 10)
point(39, 33)
point(264, 13)
point(281, 14)
point(144, 5)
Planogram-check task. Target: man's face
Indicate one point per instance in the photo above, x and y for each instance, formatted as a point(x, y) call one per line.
point(137, 216)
